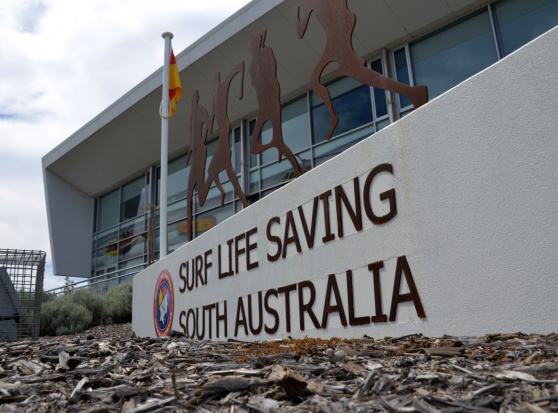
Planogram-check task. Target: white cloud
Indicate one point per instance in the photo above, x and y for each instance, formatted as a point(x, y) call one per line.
point(64, 62)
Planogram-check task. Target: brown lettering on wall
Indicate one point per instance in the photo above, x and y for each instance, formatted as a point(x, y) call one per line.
point(224, 274)
point(182, 273)
point(209, 308)
point(354, 213)
point(329, 236)
point(255, 330)
point(221, 318)
point(389, 195)
point(309, 233)
point(240, 320)
point(199, 269)
point(290, 227)
point(200, 322)
point(413, 295)
point(307, 307)
point(332, 287)
point(238, 250)
point(375, 267)
point(286, 291)
point(271, 311)
point(250, 246)
point(354, 321)
point(274, 239)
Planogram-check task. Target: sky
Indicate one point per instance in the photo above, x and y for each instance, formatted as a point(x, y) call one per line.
point(62, 62)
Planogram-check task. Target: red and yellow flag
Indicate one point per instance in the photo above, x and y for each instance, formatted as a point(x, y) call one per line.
point(175, 87)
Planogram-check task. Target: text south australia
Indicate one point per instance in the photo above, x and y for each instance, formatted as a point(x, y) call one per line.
point(224, 291)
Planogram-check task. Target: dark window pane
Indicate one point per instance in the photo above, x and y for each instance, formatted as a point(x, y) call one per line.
point(379, 94)
point(253, 157)
point(449, 57)
point(354, 109)
point(237, 150)
point(108, 210)
point(402, 74)
point(133, 199)
point(520, 21)
point(177, 179)
point(296, 125)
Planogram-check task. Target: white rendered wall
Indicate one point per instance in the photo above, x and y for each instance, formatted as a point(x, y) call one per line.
point(476, 184)
point(70, 214)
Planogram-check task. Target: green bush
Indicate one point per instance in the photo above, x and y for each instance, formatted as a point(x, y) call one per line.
point(118, 301)
point(95, 303)
point(63, 316)
point(47, 296)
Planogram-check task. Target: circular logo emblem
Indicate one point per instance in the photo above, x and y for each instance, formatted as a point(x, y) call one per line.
point(163, 304)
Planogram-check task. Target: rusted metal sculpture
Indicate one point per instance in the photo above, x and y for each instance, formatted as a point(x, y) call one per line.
point(339, 23)
point(263, 75)
point(221, 160)
point(200, 124)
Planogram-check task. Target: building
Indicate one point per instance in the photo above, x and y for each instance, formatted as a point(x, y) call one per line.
point(101, 183)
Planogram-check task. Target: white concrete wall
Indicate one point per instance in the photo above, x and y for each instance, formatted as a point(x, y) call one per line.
point(70, 220)
point(475, 177)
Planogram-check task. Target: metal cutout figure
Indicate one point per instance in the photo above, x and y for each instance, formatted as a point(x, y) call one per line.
point(339, 23)
point(200, 125)
point(263, 75)
point(221, 160)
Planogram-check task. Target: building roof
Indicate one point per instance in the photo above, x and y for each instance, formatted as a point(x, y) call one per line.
point(124, 140)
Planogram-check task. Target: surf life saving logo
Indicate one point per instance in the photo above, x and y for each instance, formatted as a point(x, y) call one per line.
point(163, 304)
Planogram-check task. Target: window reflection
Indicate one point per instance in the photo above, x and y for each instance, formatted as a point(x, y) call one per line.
point(177, 179)
point(402, 74)
point(108, 210)
point(352, 103)
point(521, 21)
point(133, 199)
point(449, 57)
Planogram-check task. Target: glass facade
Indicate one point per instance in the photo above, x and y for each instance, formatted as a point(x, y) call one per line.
point(126, 229)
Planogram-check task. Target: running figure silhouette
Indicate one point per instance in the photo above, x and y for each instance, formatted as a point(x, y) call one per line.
point(263, 76)
point(221, 160)
point(199, 128)
point(339, 22)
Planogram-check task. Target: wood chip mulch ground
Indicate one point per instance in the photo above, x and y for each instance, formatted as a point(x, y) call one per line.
point(107, 369)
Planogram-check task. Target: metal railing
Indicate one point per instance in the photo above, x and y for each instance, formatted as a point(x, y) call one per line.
point(100, 283)
point(21, 289)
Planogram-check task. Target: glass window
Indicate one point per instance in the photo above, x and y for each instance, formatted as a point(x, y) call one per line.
point(447, 58)
point(177, 234)
point(177, 180)
point(108, 210)
point(352, 104)
point(520, 21)
point(133, 199)
point(177, 211)
point(237, 149)
point(402, 74)
point(296, 125)
point(380, 101)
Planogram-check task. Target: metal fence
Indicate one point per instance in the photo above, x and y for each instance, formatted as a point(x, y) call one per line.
point(21, 289)
point(101, 283)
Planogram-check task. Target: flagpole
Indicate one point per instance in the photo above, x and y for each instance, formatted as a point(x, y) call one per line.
point(165, 106)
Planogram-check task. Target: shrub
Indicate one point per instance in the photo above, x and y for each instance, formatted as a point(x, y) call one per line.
point(94, 302)
point(63, 316)
point(118, 301)
point(47, 296)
